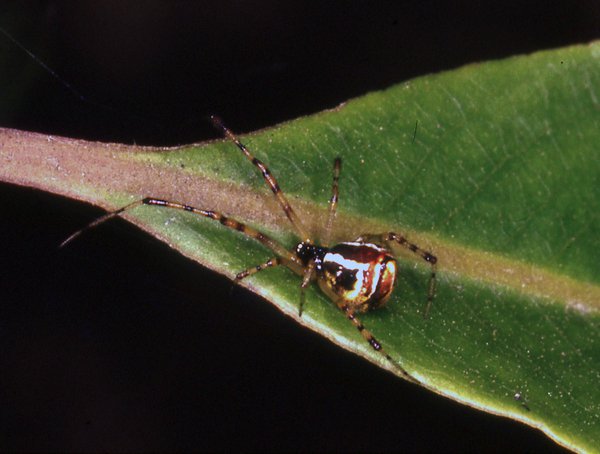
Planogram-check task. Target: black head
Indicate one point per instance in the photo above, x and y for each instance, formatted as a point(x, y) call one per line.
point(308, 251)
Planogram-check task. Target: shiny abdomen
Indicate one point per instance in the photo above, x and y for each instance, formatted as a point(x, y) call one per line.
point(362, 274)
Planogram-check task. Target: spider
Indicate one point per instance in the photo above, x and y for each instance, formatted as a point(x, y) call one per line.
point(358, 276)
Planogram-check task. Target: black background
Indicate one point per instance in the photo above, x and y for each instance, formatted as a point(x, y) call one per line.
point(117, 342)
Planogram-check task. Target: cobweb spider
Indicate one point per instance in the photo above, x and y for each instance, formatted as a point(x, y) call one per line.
point(357, 276)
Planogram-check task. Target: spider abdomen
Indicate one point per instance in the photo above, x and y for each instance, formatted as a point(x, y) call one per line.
point(362, 274)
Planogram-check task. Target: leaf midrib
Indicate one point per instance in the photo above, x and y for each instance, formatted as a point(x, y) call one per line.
point(259, 208)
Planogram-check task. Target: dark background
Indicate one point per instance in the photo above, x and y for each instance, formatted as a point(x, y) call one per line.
point(119, 343)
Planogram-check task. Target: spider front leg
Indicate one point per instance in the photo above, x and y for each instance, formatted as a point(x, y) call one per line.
point(272, 262)
point(427, 256)
point(349, 311)
point(333, 201)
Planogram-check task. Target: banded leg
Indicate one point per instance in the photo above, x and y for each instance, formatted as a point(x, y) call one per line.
point(272, 262)
point(214, 215)
point(307, 274)
point(427, 256)
point(269, 178)
point(368, 336)
point(337, 165)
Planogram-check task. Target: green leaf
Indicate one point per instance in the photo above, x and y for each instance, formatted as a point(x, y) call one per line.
point(492, 167)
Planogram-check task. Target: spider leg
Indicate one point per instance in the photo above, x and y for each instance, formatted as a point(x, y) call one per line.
point(214, 215)
point(337, 165)
point(272, 262)
point(368, 336)
point(269, 178)
point(308, 274)
point(427, 256)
